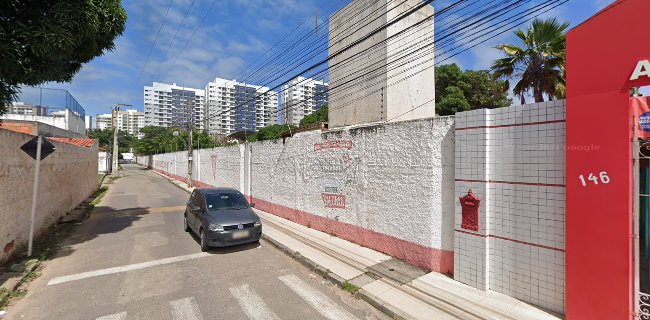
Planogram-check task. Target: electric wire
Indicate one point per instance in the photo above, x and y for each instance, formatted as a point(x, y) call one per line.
point(162, 23)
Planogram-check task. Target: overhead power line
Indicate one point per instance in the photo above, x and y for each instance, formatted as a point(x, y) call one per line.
point(189, 39)
point(442, 38)
point(162, 23)
point(175, 34)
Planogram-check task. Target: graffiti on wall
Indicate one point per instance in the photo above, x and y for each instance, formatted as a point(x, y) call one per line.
point(334, 144)
point(213, 162)
point(334, 201)
point(335, 172)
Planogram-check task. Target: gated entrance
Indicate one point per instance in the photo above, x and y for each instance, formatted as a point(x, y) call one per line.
point(606, 56)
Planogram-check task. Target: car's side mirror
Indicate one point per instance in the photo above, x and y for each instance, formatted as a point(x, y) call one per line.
point(252, 205)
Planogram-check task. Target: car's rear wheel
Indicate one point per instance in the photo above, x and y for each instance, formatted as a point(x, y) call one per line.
point(204, 241)
point(186, 226)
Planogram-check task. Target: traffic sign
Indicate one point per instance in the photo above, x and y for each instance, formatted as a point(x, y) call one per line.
point(31, 146)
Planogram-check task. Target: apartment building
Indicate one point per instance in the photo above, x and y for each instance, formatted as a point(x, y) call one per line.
point(166, 105)
point(88, 120)
point(235, 107)
point(103, 121)
point(27, 109)
point(130, 121)
point(300, 97)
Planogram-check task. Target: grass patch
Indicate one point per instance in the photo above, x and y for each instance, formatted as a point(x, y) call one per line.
point(296, 254)
point(6, 296)
point(100, 178)
point(99, 195)
point(349, 287)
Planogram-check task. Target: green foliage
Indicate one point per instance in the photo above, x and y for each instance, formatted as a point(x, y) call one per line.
point(45, 40)
point(349, 287)
point(270, 133)
point(540, 64)
point(159, 140)
point(320, 115)
point(453, 101)
point(125, 141)
point(458, 90)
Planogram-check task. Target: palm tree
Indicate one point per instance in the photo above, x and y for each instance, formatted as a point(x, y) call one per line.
point(540, 65)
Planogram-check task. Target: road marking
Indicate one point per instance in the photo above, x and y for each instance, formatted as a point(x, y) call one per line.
point(185, 309)
point(253, 305)
point(117, 316)
point(130, 267)
point(324, 305)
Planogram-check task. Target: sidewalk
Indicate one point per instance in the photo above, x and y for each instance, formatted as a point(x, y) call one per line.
point(396, 288)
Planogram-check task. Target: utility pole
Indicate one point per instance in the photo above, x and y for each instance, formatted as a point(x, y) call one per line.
point(115, 151)
point(189, 145)
point(116, 109)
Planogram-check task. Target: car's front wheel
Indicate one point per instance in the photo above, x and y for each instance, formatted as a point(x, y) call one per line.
point(204, 241)
point(186, 226)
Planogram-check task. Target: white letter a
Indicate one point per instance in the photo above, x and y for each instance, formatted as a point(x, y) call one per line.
point(642, 69)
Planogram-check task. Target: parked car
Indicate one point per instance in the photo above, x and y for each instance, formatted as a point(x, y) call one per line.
point(221, 217)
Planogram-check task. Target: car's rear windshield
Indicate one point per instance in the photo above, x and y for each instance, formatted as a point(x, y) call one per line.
point(219, 201)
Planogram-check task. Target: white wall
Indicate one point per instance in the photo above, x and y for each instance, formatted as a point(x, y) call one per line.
point(397, 181)
point(67, 177)
point(513, 160)
point(70, 122)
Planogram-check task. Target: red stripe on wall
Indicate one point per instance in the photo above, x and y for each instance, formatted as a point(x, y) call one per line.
point(512, 240)
point(432, 259)
point(513, 182)
point(196, 183)
point(511, 125)
point(437, 260)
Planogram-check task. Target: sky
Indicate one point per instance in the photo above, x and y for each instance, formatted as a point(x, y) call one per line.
point(200, 40)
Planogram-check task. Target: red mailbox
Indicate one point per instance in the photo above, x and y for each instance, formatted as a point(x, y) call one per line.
point(470, 204)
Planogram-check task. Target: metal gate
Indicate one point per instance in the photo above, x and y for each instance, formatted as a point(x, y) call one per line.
point(642, 228)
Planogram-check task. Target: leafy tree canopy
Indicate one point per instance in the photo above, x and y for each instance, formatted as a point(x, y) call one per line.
point(458, 90)
point(49, 40)
point(320, 115)
point(160, 140)
point(125, 141)
point(270, 133)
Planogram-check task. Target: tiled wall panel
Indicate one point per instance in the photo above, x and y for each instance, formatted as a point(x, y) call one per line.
point(513, 159)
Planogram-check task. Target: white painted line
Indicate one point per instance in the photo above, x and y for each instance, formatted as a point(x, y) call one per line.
point(324, 305)
point(117, 316)
point(130, 267)
point(253, 305)
point(185, 309)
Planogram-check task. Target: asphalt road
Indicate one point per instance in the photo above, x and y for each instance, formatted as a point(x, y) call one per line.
point(132, 260)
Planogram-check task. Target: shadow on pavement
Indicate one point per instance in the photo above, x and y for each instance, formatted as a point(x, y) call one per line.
point(103, 220)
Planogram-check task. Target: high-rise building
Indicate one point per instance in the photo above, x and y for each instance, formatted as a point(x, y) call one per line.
point(235, 107)
point(131, 121)
point(89, 122)
point(166, 105)
point(300, 97)
point(103, 121)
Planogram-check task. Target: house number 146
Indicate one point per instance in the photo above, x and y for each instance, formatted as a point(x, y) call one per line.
point(603, 177)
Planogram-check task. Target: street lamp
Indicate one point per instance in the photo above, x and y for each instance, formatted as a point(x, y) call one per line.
point(116, 109)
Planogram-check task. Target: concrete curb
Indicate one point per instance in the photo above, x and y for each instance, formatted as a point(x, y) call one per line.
point(382, 306)
point(311, 265)
point(377, 303)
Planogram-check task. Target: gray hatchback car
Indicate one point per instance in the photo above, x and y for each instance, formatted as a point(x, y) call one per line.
point(221, 217)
